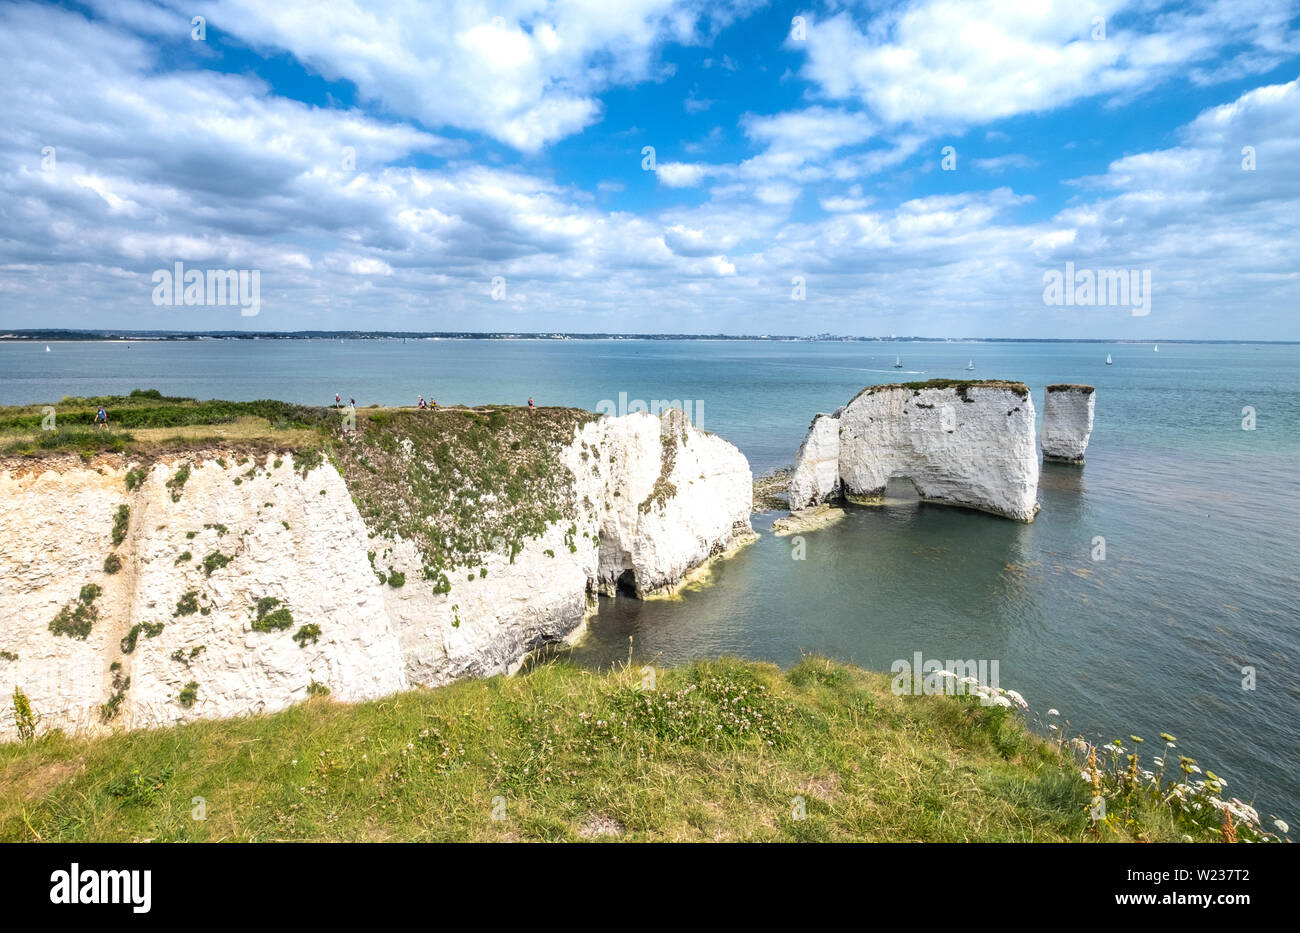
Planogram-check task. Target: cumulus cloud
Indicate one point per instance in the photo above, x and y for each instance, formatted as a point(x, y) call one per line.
point(373, 210)
point(962, 62)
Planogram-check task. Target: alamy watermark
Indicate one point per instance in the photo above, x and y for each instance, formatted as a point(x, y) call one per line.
point(919, 677)
point(1124, 288)
point(693, 409)
point(179, 286)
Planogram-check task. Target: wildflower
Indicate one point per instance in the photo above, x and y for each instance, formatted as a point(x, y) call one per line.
point(1282, 827)
point(1001, 701)
point(1136, 739)
point(1167, 737)
point(1053, 712)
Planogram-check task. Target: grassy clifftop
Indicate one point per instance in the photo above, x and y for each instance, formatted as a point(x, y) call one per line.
point(458, 481)
point(723, 750)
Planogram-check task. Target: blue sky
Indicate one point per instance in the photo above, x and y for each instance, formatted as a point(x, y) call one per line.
point(799, 183)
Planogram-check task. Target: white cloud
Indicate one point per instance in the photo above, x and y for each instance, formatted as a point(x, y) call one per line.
point(525, 72)
point(681, 174)
point(962, 62)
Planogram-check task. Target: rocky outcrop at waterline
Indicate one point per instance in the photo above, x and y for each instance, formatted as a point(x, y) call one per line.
point(1067, 422)
point(962, 443)
point(410, 548)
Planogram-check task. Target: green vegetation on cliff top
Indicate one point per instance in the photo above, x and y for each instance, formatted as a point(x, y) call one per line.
point(459, 482)
point(720, 750)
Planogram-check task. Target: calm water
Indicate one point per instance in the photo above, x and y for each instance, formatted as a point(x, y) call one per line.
point(1201, 518)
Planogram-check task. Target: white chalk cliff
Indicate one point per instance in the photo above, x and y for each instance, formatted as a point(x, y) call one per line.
point(1067, 422)
point(968, 444)
point(664, 499)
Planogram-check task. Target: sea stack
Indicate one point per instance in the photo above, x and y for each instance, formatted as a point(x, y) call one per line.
point(966, 443)
point(1067, 422)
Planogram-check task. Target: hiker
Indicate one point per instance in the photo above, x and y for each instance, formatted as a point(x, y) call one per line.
point(352, 403)
point(101, 418)
point(420, 405)
point(338, 400)
point(530, 403)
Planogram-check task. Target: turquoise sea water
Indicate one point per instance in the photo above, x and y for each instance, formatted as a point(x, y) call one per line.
point(1201, 518)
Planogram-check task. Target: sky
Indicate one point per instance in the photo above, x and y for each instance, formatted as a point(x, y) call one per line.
point(651, 166)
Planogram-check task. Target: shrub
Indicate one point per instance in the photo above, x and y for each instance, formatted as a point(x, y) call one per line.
point(188, 694)
point(24, 720)
point(317, 689)
point(120, 684)
point(182, 657)
point(150, 630)
point(8, 656)
point(138, 789)
point(134, 478)
point(309, 632)
point(188, 604)
point(112, 564)
point(177, 483)
point(183, 557)
point(396, 579)
point(76, 619)
point(269, 618)
point(214, 561)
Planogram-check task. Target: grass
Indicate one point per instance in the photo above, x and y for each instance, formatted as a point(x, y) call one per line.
point(720, 750)
point(146, 423)
point(961, 386)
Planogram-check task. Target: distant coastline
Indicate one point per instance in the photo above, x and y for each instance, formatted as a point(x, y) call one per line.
point(166, 335)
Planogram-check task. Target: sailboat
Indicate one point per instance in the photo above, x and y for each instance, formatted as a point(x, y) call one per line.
point(970, 367)
point(47, 348)
point(898, 362)
point(1108, 360)
point(1157, 348)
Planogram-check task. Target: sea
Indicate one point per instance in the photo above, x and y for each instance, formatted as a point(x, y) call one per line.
point(1185, 619)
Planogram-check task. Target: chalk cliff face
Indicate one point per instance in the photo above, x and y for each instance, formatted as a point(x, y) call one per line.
point(655, 497)
point(816, 476)
point(1067, 422)
point(250, 585)
point(968, 444)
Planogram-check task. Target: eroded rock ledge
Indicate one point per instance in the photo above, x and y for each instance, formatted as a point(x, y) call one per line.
point(962, 443)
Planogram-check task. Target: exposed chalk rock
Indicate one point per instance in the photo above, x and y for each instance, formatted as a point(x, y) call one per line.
point(962, 443)
point(1067, 422)
point(816, 476)
point(663, 498)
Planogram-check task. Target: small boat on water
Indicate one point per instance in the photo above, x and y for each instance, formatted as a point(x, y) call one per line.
point(1157, 348)
point(1108, 360)
point(898, 362)
point(47, 348)
point(970, 367)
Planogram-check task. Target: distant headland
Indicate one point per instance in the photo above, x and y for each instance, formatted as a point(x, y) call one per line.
point(63, 334)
